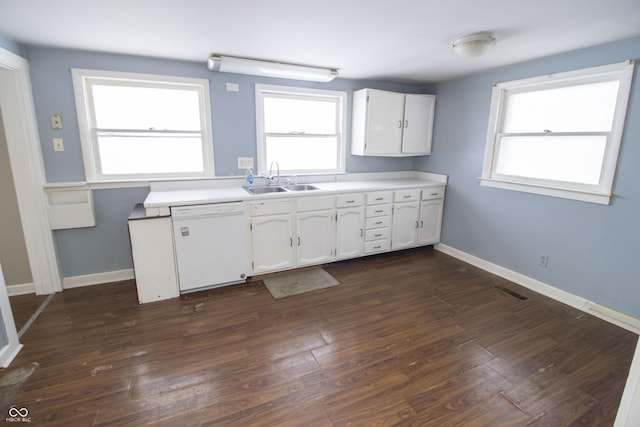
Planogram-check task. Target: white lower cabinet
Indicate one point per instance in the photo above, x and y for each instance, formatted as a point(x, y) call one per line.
point(315, 237)
point(350, 224)
point(272, 243)
point(417, 217)
point(292, 233)
point(289, 233)
point(430, 222)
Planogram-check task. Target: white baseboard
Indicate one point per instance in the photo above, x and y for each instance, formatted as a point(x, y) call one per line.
point(619, 319)
point(8, 353)
point(21, 289)
point(97, 278)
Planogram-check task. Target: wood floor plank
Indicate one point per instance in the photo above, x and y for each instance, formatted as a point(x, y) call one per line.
point(407, 338)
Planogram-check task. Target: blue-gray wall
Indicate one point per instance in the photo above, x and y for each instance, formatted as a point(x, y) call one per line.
point(11, 45)
point(106, 246)
point(594, 250)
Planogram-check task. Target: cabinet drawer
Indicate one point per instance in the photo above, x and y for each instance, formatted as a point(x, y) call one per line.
point(376, 234)
point(315, 203)
point(379, 197)
point(378, 210)
point(376, 246)
point(272, 207)
point(433, 193)
point(348, 200)
point(378, 222)
point(410, 195)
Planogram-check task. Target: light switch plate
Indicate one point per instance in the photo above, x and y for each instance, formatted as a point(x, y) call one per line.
point(233, 87)
point(58, 144)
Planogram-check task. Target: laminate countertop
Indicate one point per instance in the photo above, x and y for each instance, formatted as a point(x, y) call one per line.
point(186, 197)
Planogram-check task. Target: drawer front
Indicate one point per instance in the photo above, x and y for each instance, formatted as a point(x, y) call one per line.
point(378, 210)
point(349, 200)
point(411, 195)
point(378, 222)
point(315, 203)
point(272, 207)
point(379, 197)
point(376, 234)
point(432, 193)
point(376, 246)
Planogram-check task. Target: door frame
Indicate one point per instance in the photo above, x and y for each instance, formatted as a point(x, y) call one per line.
point(25, 156)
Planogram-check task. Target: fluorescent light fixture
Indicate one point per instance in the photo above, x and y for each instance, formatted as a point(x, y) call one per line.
point(254, 67)
point(473, 45)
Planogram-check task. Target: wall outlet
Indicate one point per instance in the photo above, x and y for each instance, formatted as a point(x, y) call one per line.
point(543, 261)
point(245, 162)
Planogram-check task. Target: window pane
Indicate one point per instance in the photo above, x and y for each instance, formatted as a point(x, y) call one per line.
point(584, 108)
point(150, 154)
point(144, 108)
point(287, 115)
point(302, 153)
point(575, 159)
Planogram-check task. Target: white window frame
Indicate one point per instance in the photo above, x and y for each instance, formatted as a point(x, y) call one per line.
point(82, 80)
point(341, 120)
point(600, 193)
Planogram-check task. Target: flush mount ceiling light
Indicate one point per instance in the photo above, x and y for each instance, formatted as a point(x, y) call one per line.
point(473, 45)
point(254, 67)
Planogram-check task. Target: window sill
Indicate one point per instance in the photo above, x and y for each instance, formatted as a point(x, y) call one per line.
point(583, 196)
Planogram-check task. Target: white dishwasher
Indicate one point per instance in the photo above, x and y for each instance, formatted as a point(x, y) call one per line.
point(210, 244)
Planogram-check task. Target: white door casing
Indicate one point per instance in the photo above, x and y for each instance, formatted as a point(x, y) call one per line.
point(23, 143)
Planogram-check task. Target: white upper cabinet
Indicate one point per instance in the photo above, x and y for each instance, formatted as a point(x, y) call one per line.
point(391, 124)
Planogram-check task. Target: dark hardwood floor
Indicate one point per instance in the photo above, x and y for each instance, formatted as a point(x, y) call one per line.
point(412, 339)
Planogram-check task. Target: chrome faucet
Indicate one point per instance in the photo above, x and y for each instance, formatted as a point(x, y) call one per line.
point(271, 173)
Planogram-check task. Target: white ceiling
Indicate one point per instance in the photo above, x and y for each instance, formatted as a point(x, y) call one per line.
point(391, 40)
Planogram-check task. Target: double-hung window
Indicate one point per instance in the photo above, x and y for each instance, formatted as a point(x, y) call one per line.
point(559, 134)
point(301, 129)
point(143, 127)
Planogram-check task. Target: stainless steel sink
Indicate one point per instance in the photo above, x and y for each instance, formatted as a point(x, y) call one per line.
point(265, 189)
point(301, 187)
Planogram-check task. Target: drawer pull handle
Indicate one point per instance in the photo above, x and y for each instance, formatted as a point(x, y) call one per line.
point(406, 197)
point(298, 240)
point(377, 235)
point(291, 241)
point(378, 222)
point(379, 199)
point(361, 232)
point(377, 247)
point(379, 211)
point(434, 194)
point(350, 201)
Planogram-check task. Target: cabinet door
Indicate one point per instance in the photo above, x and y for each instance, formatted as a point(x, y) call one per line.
point(272, 243)
point(405, 225)
point(153, 259)
point(315, 237)
point(430, 221)
point(385, 112)
point(418, 124)
point(350, 233)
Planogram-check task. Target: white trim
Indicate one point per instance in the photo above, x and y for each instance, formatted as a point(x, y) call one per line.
point(11, 349)
point(21, 289)
point(629, 409)
point(23, 143)
point(602, 199)
point(342, 99)
point(82, 80)
point(98, 278)
point(621, 72)
point(619, 319)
